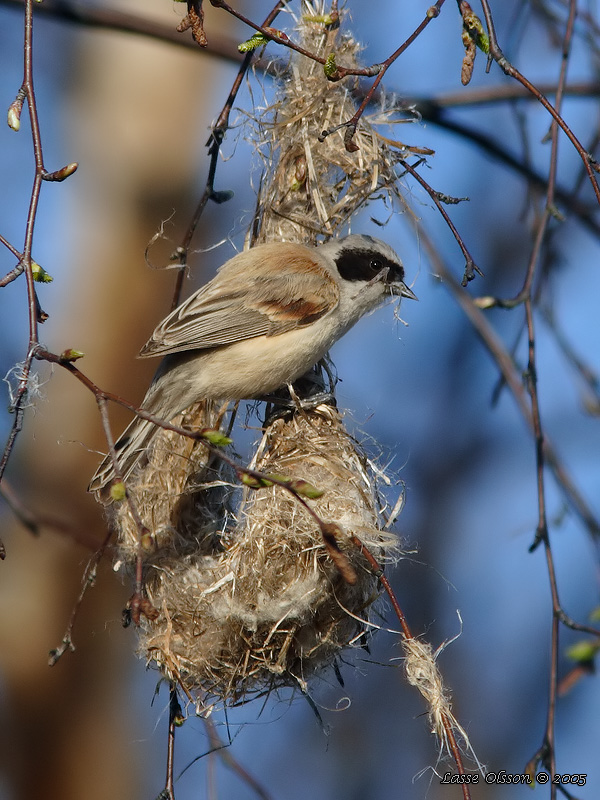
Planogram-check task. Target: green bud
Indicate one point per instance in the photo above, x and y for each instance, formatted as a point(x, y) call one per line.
point(13, 116)
point(258, 40)
point(39, 273)
point(583, 651)
point(216, 437)
point(61, 174)
point(476, 31)
point(147, 542)
point(275, 477)
point(484, 302)
point(71, 355)
point(306, 489)
point(117, 491)
point(330, 67)
point(324, 19)
point(253, 482)
point(178, 720)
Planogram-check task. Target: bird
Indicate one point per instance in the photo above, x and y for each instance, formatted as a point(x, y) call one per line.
point(270, 314)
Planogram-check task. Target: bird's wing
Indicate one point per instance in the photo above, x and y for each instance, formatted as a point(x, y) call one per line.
point(231, 308)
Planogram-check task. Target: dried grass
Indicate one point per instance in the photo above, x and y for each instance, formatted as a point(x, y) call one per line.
point(310, 189)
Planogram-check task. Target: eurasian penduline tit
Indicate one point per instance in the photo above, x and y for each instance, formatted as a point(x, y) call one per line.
point(268, 316)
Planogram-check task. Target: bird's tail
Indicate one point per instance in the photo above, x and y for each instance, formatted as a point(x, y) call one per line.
point(131, 447)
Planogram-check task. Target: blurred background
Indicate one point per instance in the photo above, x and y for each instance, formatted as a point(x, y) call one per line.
point(135, 112)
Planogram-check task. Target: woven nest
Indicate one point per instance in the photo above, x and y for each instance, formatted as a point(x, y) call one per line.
point(247, 596)
point(264, 606)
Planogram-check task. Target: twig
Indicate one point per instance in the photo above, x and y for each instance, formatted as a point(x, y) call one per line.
point(279, 37)
point(26, 94)
point(542, 534)
point(175, 719)
point(470, 266)
point(587, 374)
point(103, 18)
point(252, 478)
point(497, 55)
point(89, 579)
point(514, 382)
point(35, 523)
point(214, 146)
point(432, 112)
point(218, 746)
point(351, 124)
point(19, 412)
point(138, 604)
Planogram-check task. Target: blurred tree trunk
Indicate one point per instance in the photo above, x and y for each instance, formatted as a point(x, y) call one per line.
point(138, 135)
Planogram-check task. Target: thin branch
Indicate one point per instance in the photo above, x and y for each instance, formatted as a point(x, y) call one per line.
point(497, 55)
point(470, 266)
point(35, 523)
point(252, 478)
point(542, 534)
point(218, 746)
point(351, 124)
point(27, 89)
point(214, 146)
point(281, 38)
point(110, 19)
point(138, 604)
point(18, 409)
point(175, 719)
point(588, 375)
point(89, 579)
point(514, 382)
point(26, 93)
point(432, 112)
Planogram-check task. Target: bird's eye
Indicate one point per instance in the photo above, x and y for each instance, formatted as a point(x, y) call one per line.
point(376, 264)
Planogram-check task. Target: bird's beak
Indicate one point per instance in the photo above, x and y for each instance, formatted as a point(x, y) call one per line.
point(400, 289)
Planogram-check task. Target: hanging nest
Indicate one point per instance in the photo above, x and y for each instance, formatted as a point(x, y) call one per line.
point(264, 606)
point(247, 596)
